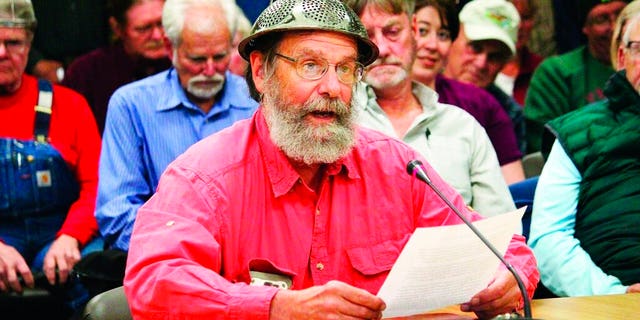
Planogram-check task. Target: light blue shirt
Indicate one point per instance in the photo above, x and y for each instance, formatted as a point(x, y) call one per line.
point(149, 123)
point(565, 267)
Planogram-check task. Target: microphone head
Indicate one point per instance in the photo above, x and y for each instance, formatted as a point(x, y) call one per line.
point(412, 165)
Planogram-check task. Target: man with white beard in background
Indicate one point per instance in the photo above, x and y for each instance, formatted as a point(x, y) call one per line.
point(152, 121)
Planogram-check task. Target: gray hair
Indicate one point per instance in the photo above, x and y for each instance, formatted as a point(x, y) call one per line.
point(174, 16)
point(243, 25)
point(388, 6)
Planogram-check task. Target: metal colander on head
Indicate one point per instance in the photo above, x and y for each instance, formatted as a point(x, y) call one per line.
point(326, 15)
point(17, 14)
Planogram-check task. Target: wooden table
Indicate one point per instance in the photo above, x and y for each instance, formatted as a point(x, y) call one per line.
point(607, 307)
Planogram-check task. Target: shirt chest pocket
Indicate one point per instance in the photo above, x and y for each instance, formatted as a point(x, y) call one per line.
point(378, 257)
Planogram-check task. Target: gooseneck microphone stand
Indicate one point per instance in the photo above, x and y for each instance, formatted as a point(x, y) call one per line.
point(414, 168)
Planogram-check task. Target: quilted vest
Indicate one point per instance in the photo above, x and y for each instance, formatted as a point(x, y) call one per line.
point(603, 141)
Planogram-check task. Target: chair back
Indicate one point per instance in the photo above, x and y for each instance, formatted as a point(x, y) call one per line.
point(109, 305)
point(522, 193)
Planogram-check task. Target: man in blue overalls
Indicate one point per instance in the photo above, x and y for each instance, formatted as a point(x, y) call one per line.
point(49, 151)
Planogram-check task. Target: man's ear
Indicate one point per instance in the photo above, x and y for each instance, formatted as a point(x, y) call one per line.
point(256, 59)
point(414, 24)
point(621, 58)
point(115, 27)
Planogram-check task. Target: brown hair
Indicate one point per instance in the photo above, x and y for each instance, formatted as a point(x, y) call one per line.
point(447, 11)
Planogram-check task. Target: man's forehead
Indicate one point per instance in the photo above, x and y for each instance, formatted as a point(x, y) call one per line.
point(634, 31)
point(6, 32)
point(605, 8)
point(376, 17)
point(308, 41)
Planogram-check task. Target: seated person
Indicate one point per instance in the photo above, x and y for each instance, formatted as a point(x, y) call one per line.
point(137, 53)
point(515, 76)
point(152, 121)
point(485, 42)
point(49, 168)
point(237, 65)
point(66, 29)
point(407, 110)
point(571, 80)
point(621, 22)
point(441, 17)
point(298, 193)
point(584, 227)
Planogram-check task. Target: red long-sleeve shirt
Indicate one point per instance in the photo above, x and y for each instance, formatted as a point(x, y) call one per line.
point(73, 132)
point(233, 203)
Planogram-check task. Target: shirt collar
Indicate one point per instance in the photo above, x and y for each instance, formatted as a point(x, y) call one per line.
point(279, 169)
point(365, 98)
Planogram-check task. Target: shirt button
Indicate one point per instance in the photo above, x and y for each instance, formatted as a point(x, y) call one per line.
point(317, 212)
point(320, 266)
point(170, 223)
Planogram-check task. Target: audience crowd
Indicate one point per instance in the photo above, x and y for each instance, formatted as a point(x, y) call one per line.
point(230, 143)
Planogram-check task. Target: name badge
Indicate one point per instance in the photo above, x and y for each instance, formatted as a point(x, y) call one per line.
point(270, 279)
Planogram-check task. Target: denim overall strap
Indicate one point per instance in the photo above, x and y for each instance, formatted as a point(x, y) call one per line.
point(43, 110)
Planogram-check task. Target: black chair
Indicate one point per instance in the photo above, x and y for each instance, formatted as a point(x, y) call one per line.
point(36, 303)
point(532, 164)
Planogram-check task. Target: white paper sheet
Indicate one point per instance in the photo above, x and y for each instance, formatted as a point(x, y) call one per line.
point(447, 265)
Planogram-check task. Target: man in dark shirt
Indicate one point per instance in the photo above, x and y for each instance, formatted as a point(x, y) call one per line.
point(138, 53)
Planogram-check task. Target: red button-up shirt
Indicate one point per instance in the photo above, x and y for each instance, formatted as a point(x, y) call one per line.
point(233, 203)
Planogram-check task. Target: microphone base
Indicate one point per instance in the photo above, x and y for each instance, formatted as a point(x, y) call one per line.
point(513, 315)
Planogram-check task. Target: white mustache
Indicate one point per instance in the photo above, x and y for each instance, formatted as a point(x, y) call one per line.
point(386, 61)
point(202, 78)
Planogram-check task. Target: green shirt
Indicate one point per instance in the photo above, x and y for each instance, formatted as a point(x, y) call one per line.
point(559, 85)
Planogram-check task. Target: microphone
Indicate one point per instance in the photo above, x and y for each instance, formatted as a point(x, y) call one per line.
point(414, 168)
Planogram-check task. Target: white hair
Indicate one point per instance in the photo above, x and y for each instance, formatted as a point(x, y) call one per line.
point(243, 25)
point(174, 15)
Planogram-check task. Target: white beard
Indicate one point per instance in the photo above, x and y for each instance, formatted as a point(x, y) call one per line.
point(300, 141)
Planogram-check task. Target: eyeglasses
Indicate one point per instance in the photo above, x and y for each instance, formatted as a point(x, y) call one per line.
point(348, 72)
point(633, 47)
point(14, 46)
